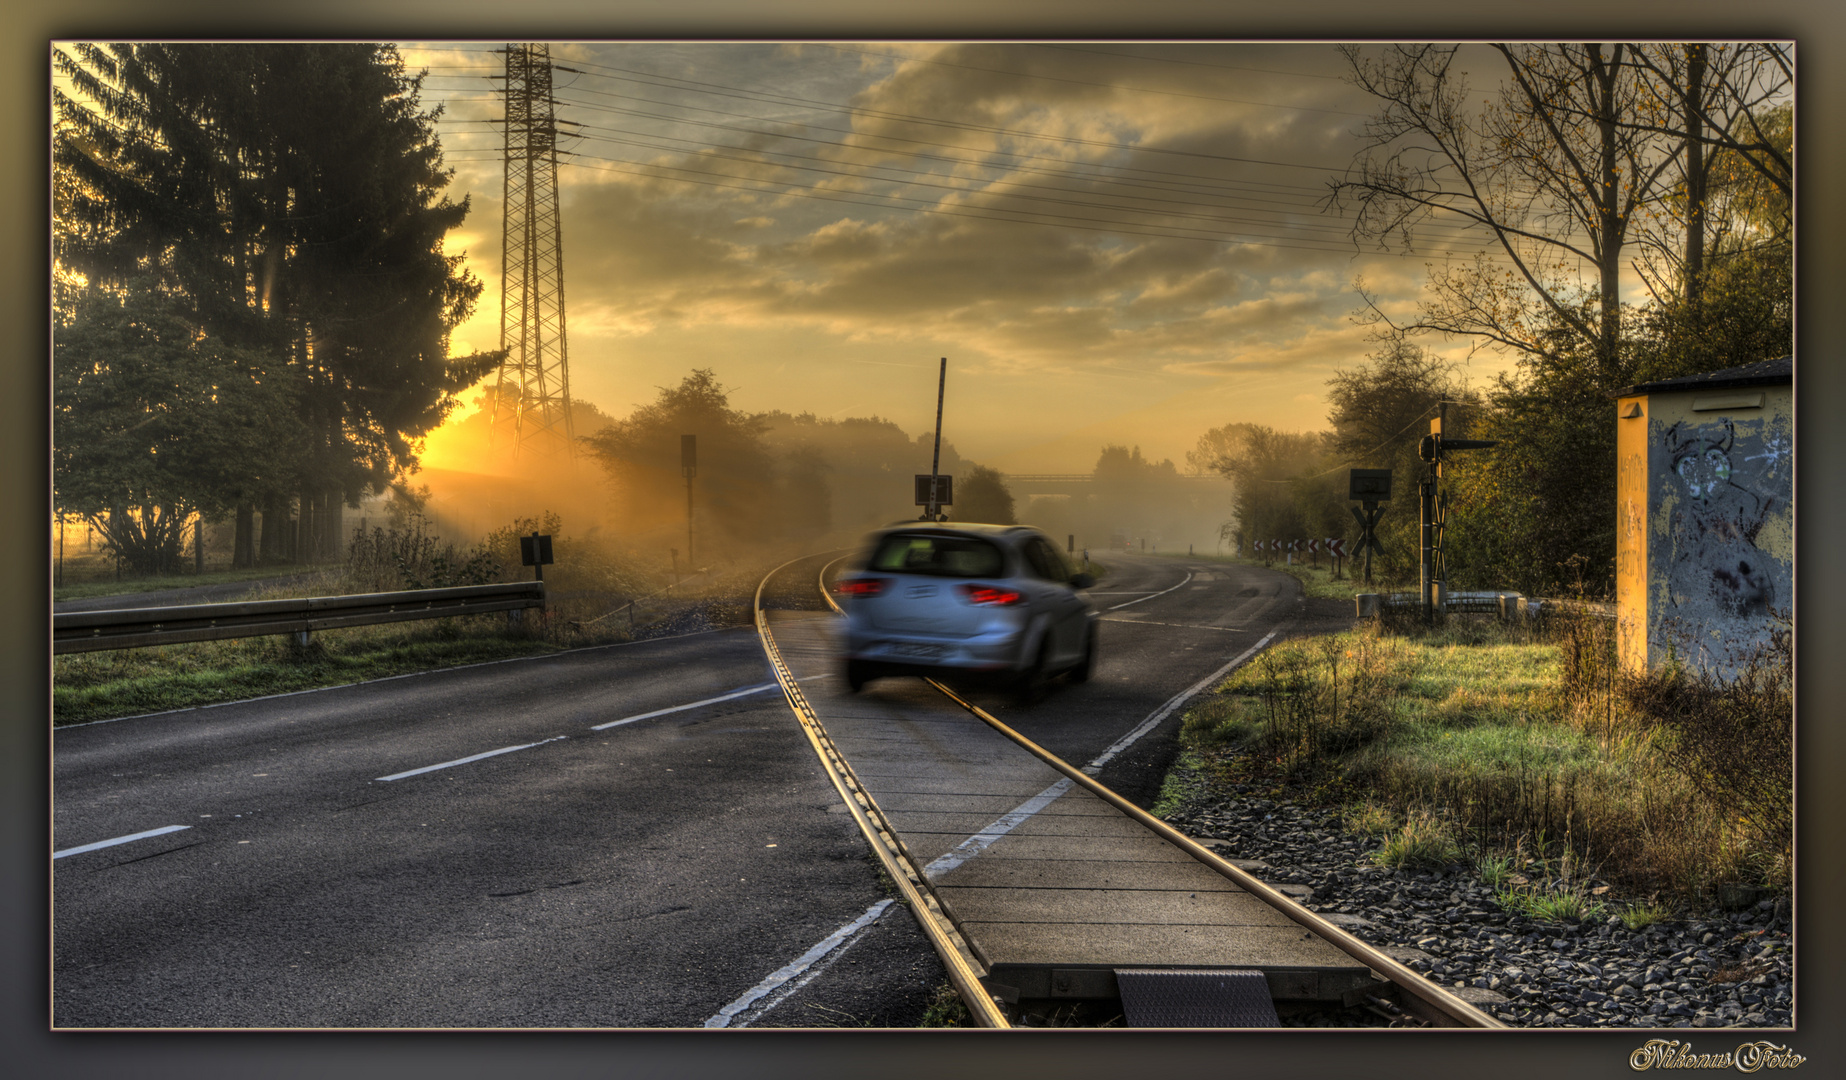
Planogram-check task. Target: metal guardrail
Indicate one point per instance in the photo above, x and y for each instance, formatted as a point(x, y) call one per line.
point(1533, 607)
point(127, 628)
point(1500, 602)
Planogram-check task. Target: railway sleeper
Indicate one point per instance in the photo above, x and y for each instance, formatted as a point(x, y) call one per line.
point(1177, 996)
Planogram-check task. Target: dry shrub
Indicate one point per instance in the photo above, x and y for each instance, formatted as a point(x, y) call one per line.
point(410, 557)
point(1731, 742)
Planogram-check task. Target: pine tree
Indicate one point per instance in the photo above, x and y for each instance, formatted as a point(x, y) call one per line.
point(290, 198)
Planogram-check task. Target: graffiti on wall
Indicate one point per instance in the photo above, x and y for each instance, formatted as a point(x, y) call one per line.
point(1729, 494)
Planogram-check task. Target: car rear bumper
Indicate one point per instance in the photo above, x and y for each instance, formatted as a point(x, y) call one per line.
point(997, 653)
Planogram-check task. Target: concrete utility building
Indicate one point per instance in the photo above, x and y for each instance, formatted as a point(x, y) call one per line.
point(1705, 502)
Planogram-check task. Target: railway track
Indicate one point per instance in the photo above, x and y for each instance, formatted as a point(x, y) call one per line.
point(960, 882)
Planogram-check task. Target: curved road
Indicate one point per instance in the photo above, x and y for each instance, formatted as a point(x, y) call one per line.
point(625, 836)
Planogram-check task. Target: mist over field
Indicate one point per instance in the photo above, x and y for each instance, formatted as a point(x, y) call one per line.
point(770, 481)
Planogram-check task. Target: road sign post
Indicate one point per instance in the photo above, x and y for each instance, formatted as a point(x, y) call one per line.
point(933, 508)
point(689, 467)
point(934, 493)
point(1368, 487)
point(535, 551)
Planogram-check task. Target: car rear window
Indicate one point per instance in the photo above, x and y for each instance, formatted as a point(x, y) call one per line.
point(943, 556)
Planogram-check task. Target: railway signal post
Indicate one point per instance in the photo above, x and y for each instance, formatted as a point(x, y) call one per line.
point(1434, 508)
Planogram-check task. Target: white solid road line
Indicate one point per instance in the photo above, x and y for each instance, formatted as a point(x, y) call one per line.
point(782, 975)
point(746, 692)
point(1132, 621)
point(162, 831)
point(613, 723)
point(475, 757)
point(682, 708)
point(1150, 596)
point(980, 841)
point(1174, 702)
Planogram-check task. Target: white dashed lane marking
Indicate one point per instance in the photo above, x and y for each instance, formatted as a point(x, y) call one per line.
point(162, 831)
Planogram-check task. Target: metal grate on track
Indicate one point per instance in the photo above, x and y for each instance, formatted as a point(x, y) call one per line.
point(1164, 998)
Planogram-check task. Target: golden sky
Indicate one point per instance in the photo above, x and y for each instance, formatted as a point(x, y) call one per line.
point(1109, 242)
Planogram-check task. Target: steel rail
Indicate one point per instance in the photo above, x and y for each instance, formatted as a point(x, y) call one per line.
point(1428, 1001)
point(877, 830)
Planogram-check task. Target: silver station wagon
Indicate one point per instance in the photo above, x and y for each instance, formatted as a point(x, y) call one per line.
point(986, 603)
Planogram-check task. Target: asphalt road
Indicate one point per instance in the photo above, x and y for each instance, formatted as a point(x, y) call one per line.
point(363, 857)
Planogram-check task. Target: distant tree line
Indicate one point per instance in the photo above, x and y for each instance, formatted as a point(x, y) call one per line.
point(252, 301)
point(773, 478)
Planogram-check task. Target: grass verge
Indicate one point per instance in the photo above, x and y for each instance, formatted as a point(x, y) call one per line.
point(1522, 753)
point(132, 586)
point(597, 595)
point(127, 682)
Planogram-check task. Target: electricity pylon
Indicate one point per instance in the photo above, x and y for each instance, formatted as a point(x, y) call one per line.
point(532, 413)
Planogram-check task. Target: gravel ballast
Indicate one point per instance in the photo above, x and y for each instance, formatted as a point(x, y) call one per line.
point(1593, 973)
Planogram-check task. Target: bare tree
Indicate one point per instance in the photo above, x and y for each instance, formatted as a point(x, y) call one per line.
point(1551, 171)
point(1729, 107)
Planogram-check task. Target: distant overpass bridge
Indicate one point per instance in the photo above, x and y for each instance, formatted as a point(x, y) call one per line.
point(1074, 484)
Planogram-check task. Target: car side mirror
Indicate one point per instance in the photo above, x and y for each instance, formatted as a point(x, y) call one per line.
point(1082, 581)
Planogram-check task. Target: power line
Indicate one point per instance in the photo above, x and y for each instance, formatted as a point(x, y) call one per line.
point(862, 171)
point(1080, 82)
point(1437, 232)
point(1193, 63)
point(786, 188)
point(1176, 183)
point(715, 89)
point(1087, 225)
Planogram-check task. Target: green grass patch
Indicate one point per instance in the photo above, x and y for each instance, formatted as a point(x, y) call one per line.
point(945, 1010)
point(1550, 905)
point(1183, 781)
point(1421, 843)
point(1494, 868)
point(131, 586)
point(128, 682)
point(1640, 916)
point(1370, 819)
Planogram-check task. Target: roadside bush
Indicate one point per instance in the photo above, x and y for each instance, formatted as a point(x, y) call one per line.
point(1731, 741)
point(389, 560)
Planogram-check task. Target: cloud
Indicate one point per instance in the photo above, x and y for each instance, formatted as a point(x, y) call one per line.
point(1143, 211)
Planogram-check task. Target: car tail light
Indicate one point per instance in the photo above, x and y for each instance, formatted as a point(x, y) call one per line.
point(865, 586)
point(988, 594)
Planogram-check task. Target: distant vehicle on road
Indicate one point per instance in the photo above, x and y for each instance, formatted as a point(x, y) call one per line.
point(995, 604)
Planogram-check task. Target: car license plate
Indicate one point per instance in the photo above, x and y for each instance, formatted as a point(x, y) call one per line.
point(929, 652)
